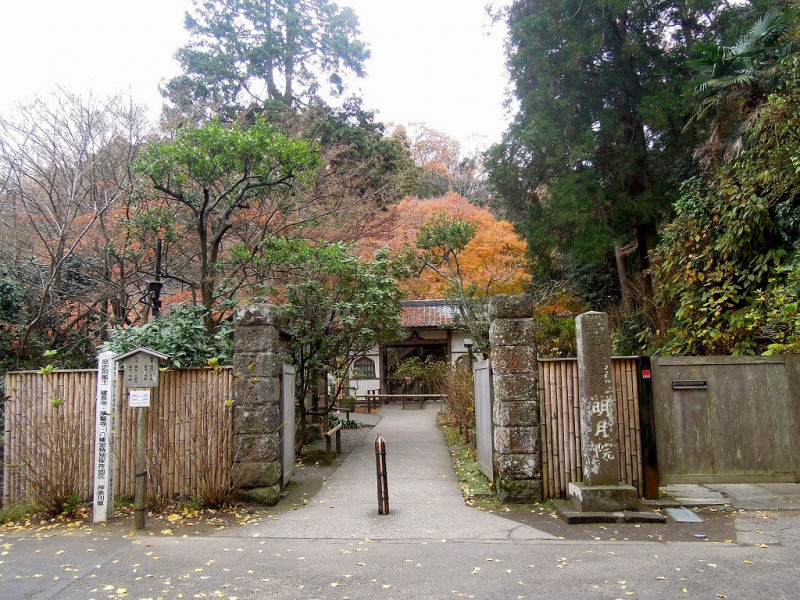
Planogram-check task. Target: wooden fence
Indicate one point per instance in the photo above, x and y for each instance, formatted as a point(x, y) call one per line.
point(49, 434)
point(560, 423)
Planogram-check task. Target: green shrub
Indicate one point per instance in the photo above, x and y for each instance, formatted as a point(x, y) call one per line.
point(182, 334)
point(18, 512)
point(555, 336)
point(632, 334)
point(432, 370)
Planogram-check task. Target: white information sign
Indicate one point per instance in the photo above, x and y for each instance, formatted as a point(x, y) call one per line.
point(139, 398)
point(112, 424)
point(104, 433)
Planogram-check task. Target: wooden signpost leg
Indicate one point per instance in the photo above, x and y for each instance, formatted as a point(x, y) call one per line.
point(141, 468)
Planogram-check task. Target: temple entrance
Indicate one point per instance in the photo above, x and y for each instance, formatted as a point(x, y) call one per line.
point(421, 349)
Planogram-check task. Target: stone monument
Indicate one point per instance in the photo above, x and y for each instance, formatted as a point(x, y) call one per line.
point(601, 489)
point(600, 496)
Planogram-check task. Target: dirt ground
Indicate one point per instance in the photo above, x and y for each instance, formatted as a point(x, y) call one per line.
point(717, 526)
point(184, 519)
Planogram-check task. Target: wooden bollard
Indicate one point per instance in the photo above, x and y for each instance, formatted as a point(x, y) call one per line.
point(383, 486)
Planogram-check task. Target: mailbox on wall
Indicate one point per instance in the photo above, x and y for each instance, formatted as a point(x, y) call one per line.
point(140, 367)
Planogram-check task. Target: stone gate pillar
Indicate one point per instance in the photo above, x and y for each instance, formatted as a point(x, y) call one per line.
point(256, 408)
point(517, 440)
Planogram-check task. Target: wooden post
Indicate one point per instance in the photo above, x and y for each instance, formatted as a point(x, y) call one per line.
point(154, 293)
point(647, 425)
point(383, 485)
point(141, 468)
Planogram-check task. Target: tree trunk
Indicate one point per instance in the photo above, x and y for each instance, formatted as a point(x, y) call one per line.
point(292, 26)
point(272, 89)
point(686, 27)
point(622, 275)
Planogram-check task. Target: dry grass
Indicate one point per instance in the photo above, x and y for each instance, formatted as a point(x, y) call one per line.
point(457, 383)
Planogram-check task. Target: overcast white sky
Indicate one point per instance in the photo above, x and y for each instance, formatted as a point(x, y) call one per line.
point(435, 61)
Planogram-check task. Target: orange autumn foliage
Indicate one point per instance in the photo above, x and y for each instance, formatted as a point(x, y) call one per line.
point(494, 261)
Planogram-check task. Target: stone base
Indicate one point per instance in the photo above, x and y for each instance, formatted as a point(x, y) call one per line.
point(249, 475)
point(519, 491)
point(603, 498)
point(566, 511)
point(267, 496)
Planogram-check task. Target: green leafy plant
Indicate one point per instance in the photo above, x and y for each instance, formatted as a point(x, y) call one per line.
point(218, 176)
point(334, 420)
point(728, 260)
point(631, 335)
point(337, 304)
point(475, 487)
point(429, 370)
point(181, 334)
point(18, 512)
point(441, 241)
point(71, 505)
point(555, 336)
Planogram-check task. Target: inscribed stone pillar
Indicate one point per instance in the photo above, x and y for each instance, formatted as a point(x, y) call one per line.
point(517, 447)
point(256, 394)
point(598, 419)
point(601, 489)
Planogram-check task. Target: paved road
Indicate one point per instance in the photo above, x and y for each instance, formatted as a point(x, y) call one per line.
point(253, 568)
point(430, 546)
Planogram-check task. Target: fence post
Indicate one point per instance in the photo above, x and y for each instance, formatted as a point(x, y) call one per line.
point(383, 483)
point(647, 425)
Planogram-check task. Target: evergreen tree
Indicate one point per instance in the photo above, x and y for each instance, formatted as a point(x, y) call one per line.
point(593, 159)
point(245, 53)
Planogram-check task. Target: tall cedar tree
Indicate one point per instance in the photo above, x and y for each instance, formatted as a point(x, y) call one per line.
point(245, 53)
point(593, 159)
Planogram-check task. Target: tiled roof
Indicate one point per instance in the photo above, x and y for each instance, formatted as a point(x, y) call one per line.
point(427, 313)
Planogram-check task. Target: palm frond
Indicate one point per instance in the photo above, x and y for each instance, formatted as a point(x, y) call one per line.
point(766, 31)
point(737, 79)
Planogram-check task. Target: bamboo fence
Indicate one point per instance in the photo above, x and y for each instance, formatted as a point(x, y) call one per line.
point(560, 423)
point(50, 422)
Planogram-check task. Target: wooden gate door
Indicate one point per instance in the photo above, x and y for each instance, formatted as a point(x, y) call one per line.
point(727, 419)
point(484, 397)
point(287, 424)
